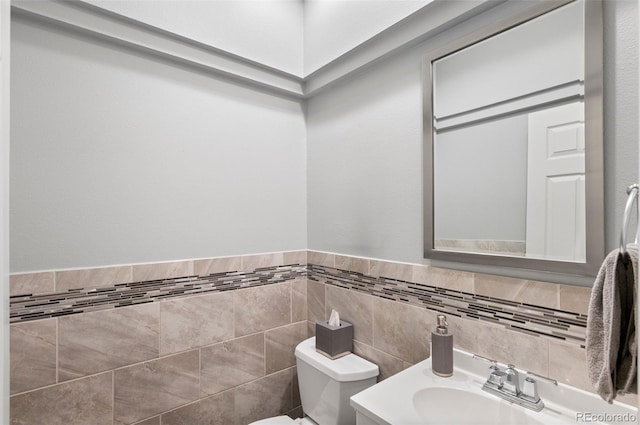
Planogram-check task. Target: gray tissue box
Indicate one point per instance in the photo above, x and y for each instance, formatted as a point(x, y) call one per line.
point(334, 341)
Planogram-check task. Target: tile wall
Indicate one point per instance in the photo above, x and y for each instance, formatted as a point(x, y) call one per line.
point(219, 357)
point(223, 353)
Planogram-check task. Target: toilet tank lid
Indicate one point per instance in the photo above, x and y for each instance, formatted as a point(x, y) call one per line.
point(345, 369)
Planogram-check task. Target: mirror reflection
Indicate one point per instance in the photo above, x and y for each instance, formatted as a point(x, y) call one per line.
point(509, 110)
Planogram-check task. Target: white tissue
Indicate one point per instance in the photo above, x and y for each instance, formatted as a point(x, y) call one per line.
point(334, 319)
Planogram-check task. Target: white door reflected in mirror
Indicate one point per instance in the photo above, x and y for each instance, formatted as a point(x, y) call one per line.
point(556, 225)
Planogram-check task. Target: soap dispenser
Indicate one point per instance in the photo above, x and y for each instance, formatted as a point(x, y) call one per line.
point(442, 348)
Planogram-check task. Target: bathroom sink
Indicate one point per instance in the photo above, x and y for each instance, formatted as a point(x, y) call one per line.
point(444, 405)
point(416, 396)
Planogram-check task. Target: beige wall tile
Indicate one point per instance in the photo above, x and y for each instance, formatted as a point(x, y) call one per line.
point(443, 278)
point(353, 264)
point(261, 308)
point(92, 278)
point(311, 329)
point(215, 410)
point(506, 346)
point(299, 299)
point(156, 271)
point(231, 363)
point(498, 286)
point(280, 345)
point(402, 330)
point(391, 270)
point(388, 364)
point(104, 340)
point(575, 298)
point(468, 334)
point(353, 307)
point(252, 262)
point(315, 301)
point(294, 257)
point(321, 259)
point(197, 321)
point(31, 283)
point(81, 402)
point(264, 398)
point(526, 291)
point(151, 388)
point(216, 265)
point(32, 355)
point(568, 364)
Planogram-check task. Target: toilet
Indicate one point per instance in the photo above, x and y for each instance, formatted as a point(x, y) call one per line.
point(326, 386)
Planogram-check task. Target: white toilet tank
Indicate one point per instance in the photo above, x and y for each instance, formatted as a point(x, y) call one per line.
point(327, 385)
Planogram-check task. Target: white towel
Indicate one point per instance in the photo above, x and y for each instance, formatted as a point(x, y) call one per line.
point(611, 341)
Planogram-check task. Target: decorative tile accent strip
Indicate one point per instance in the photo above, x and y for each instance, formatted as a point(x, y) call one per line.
point(32, 307)
point(526, 318)
point(521, 317)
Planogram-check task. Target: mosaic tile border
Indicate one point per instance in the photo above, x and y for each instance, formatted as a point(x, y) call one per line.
point(29, 307)
point(521, 317)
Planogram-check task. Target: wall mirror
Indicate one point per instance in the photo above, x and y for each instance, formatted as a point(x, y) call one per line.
point(514, 143)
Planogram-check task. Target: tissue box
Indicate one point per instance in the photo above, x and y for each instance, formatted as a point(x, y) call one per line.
point(334, 341)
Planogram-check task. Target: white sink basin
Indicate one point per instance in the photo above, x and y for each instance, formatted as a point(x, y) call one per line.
point(444, 405)
point(416, 396)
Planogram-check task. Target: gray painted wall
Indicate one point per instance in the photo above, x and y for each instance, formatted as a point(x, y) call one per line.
point(160, 192)
point(365, 148)
point(120, 158)
point(621, 133)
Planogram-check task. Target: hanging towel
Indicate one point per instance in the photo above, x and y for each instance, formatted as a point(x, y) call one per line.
point(626, 365)
point(611, 340)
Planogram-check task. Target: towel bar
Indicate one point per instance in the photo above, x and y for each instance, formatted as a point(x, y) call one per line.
point(632, 191)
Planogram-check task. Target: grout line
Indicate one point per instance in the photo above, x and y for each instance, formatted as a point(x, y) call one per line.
point(113, 397)
point(199, 373)
point(234, 301)
point(44, 387)
point(57, 351)
point(373, 324)
point(548, 358)
point(160, 329)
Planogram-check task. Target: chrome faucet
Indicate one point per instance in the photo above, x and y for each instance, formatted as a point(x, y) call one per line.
point(506, 385)
point(512, 383)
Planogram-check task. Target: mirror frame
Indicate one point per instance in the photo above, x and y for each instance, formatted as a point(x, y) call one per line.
point(594, 147)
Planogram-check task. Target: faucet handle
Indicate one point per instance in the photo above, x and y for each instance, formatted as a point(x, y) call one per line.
point(530, 389)
point(497, 377)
